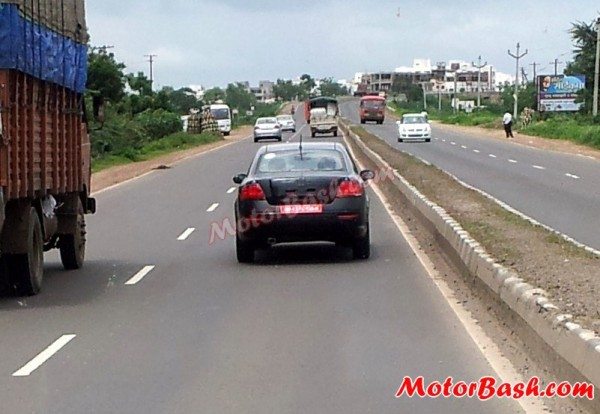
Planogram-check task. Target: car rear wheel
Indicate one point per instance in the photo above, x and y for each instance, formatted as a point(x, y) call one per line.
point(361, 248)
point(313, 134)
point(335, 133)
point(362, 121)
point(400, 140)
point(255, 139)
point(244, 251)
point(428, 140)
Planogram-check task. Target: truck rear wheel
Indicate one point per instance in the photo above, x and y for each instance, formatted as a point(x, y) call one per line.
point(26, 271)
point(72, 246)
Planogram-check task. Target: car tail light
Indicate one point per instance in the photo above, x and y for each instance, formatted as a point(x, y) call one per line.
point(252, 192)
point(277, 126)
point(256, 128)
point(349, 188)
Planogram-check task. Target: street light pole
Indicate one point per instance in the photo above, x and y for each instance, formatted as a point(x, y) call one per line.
point(517, 57)
point(424, 96)
point(597, 69)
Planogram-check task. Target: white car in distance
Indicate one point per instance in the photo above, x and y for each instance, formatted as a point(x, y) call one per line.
point(414, 127)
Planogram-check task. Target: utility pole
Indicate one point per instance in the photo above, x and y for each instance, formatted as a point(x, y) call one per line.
point(597, 69)
point(424, 96)
point(479, 66)
point(556, 63)
point(151, 61)
point(517, 57)
point(455, 101)
point(535, 65)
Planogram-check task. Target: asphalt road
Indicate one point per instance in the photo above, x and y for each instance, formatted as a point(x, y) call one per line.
point(305, 330)
point(559, 190)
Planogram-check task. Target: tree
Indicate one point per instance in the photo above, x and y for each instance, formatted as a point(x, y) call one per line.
point(106, 81)
point(286, 90)
point(213, 95)
point(237, 96)
point(329, 87)
point(183, 100)
point(308, 83)
point(140, 83)
point(584, 38)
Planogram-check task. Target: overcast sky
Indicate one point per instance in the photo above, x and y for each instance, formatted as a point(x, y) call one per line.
point(214, 42)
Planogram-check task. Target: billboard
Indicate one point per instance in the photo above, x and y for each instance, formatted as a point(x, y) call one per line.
point(557, 93)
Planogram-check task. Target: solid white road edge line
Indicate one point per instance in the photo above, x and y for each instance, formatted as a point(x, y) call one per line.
point(44, 356)
point(488, 348)
point(140, 275)
point(112, 187)
point(186, 234)
point(212, 208)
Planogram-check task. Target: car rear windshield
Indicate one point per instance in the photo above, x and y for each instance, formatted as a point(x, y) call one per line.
point(267, 121)
point(285, 118)
point(309, 160)
point(414, 120)
point(219, 114)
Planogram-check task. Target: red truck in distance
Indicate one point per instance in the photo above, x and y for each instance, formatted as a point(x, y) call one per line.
point(372, 108)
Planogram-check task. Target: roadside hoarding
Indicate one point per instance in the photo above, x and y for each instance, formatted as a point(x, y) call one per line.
point(559, 93)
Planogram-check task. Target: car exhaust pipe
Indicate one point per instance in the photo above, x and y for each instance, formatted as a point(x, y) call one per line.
point(271, 241)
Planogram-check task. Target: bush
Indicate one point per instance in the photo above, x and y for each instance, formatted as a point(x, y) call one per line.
point(158, 123)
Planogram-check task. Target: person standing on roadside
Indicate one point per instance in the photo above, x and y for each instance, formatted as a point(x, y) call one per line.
point(507, 120)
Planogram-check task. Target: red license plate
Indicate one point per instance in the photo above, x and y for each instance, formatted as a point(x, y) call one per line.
point(301, 209)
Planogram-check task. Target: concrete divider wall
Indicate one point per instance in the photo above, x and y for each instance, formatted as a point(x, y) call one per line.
point(577, 346)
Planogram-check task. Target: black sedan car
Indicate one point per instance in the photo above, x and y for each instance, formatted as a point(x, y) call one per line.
point(302, 193)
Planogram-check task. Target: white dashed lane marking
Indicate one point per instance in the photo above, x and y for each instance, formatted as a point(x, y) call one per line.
point(463, 146)
point(512, 161)
point(231, 190)
point(476, 151)
point(140, 275)
point(453, 143)
point(538, 167)
point(186, 234)
point(576, 177)
point(212, 208)
point(44, 356)
point(493, 156)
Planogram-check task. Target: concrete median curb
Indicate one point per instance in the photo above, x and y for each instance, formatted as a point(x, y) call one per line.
point(577, 346)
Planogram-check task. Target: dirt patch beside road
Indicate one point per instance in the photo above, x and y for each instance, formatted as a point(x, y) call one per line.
point(120, 173)
point(567, 273)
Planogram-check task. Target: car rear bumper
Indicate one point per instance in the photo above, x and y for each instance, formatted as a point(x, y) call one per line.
point(267, 134)
point(324, 129)
point(414, 136)
point(331, 227)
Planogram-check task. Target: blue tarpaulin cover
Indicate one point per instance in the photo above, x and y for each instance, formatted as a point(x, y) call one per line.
point(40, 52)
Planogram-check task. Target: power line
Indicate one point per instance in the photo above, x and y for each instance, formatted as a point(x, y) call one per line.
point(517, 57)
point(101, 49)
point(151, 61)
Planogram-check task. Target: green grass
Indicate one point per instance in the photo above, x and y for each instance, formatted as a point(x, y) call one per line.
point(576, 128)
point(171, 143)
point(578, 131)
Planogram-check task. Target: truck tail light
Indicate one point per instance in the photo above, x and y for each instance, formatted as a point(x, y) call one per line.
point(252, 192)
point(350, 188)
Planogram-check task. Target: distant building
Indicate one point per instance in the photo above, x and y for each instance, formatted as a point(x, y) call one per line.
point(443, 77)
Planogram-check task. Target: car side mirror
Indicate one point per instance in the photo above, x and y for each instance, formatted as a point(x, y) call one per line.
point(238, 179)
point(367, 175)
point(398, 123)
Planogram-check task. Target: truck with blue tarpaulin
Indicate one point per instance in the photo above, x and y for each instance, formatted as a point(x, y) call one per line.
point(45, 163)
